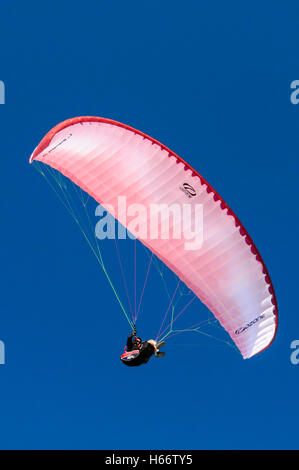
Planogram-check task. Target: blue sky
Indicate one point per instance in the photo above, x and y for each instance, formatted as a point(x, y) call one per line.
point(212, 82)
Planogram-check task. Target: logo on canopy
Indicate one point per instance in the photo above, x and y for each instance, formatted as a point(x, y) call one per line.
point(188, 190)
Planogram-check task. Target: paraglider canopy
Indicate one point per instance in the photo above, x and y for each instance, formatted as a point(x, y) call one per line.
point(108, 159)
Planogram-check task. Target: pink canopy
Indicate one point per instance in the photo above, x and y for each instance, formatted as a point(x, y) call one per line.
point(108, 159)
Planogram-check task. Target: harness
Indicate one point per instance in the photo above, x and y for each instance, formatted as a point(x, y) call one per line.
point(128, 356)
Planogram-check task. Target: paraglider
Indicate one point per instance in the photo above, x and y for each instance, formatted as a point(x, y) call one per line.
point(108, 160)
point(139, 352)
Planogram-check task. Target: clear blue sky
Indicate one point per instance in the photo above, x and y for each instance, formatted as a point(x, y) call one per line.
point(212, 82)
